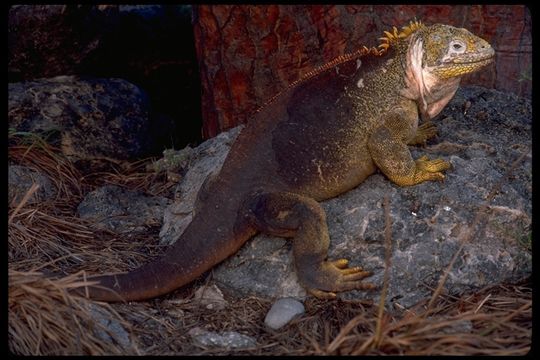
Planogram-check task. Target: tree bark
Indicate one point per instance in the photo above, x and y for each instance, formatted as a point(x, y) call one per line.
point(248, 53)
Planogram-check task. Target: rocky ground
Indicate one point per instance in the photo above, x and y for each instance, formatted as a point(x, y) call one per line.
point(480, 214)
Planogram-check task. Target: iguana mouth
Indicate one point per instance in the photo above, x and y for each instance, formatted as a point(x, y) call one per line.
point(487, 59)
point(486, 56)
point(462, 66)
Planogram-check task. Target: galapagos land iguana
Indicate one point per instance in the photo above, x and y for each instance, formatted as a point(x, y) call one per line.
point(320, 137)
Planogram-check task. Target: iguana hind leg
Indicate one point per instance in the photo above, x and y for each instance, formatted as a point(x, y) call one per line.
point(303, 219)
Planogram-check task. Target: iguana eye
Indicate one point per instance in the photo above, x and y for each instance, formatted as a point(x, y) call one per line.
point(457, 46)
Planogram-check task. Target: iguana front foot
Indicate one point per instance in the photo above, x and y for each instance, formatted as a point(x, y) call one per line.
point(424, 132)
point(420, 170)
point(330, 277)
point(393, 157)
point(431, 169)
point(425, 170)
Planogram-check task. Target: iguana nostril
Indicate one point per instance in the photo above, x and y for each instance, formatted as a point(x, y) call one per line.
point(484, 46)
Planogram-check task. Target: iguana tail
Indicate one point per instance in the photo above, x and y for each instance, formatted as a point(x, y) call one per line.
point(207, 241)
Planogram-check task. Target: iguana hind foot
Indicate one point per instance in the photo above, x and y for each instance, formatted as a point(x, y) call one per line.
point(303, 219)
point(423, 163)
point(329, 277)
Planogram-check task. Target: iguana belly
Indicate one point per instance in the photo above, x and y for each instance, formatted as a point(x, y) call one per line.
point(318, 165)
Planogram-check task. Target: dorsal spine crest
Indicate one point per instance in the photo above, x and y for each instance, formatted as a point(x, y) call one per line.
point(389, 40)
point(392, 38)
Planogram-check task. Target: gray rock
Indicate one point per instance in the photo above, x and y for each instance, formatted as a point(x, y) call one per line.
point(123, 211)
point(109, 329)
point(88, 118)
point(21, 178)
point(205, 160)
point(175, 161)
point(264, 267)
point(282, 312)
point(428, 220)
point(210, 297)
point(456, 327)
point(228, 339)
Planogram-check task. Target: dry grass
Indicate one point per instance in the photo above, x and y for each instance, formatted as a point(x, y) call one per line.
point(131, 175)
point(45, 319)
point(495, 321)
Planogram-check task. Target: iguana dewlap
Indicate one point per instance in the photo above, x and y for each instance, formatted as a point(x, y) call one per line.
point(315, 140)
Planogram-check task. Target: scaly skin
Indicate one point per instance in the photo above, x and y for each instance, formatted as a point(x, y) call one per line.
point(317, 139)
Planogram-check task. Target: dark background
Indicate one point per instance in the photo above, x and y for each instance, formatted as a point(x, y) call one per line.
point(206, 68)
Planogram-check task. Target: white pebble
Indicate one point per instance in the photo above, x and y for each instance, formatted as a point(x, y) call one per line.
point(282, 312)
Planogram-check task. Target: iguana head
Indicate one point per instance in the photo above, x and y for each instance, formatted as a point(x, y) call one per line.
point(450, 52)
point(435, 59)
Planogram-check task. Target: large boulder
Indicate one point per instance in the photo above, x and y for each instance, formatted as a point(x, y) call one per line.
point(21, 179)
point(481, 132)
point(87, 117)
point(202, 161)
point(116, 209)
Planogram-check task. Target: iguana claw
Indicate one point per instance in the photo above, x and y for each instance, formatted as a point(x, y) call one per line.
point(335, 276)
point(424, 164)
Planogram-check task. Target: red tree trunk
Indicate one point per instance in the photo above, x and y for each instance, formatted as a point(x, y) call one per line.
point(248, 53)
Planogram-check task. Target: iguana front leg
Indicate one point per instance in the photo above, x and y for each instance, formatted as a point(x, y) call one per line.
point(392, 156)
point(302, 218)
